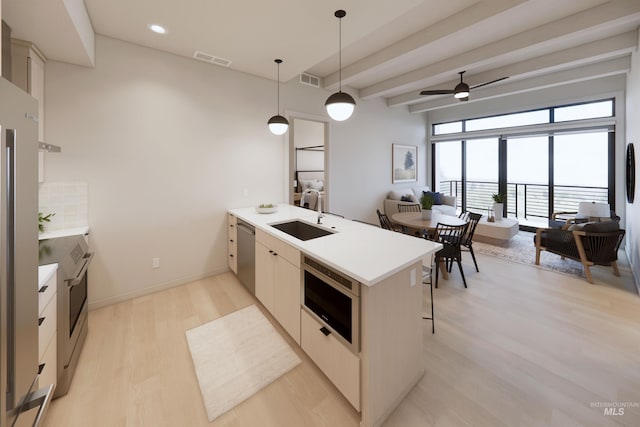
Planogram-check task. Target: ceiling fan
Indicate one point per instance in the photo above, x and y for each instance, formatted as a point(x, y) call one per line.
point(461, 91)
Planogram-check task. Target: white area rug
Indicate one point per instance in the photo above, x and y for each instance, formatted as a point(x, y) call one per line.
point(235, 356)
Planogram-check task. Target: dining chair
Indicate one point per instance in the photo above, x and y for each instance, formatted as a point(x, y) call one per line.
point(409, 208)
point(385, 222)
point(467, 240)
point(427, 279)
point(450, 236)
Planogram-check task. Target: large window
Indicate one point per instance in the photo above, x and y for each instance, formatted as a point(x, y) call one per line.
point(545, 169)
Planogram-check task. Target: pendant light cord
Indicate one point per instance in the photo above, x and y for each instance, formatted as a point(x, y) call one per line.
point(340, 55)
point(278, 88)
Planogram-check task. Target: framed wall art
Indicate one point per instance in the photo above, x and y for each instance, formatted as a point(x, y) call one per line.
point(404, 163)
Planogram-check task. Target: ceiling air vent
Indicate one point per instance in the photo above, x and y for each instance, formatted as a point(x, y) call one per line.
point(310, 80)
point(202, 56)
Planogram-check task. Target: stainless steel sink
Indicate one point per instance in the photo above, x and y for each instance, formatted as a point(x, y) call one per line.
point(301, 230)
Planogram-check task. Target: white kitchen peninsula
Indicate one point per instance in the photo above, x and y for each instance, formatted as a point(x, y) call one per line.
point(388, 266)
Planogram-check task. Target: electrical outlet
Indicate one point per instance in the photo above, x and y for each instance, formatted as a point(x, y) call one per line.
point(245, 192)
point(155, 262)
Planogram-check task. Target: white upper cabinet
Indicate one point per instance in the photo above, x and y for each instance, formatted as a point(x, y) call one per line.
point(27, 69)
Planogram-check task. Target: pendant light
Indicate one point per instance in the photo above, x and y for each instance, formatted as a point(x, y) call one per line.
point(340, 105)
point(278, 125)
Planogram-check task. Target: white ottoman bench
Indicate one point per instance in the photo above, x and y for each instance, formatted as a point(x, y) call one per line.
point(495, 232)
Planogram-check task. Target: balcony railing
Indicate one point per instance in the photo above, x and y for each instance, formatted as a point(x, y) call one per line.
point(524, 200)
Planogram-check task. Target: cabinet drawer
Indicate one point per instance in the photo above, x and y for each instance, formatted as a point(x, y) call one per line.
point(233, 262)
point(232, 224)
point(47, 328)
point(46, 292)
point(283, 249)
point(48, 374)
point(338, 363)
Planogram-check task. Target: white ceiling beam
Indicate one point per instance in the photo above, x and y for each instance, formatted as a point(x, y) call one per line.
point(596, 51)
point(560, 78)
point(609, 15)
point(476, 13)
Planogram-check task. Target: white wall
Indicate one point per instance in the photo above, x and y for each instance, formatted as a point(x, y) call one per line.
point(633, 135)
point(360, 159)
point(167, 144)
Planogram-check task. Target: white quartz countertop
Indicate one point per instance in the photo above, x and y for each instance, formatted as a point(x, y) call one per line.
point(368, 254)
point(77, 231)
point(45, 272)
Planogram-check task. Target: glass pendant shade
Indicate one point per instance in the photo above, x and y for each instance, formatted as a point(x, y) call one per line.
point(340, 106)
point(278, 125)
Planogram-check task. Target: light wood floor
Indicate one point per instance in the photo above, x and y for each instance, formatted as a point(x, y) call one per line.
point(520, 347)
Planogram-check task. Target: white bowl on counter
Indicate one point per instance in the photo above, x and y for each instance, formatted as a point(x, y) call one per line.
point(272, 209)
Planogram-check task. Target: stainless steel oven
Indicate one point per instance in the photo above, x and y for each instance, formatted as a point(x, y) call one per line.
point(333, 299)
point(73, 258)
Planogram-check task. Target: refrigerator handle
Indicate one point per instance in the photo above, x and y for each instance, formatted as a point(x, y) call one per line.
point(10, 170)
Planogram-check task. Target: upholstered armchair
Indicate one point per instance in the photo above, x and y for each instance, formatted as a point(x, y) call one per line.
point(592, 243)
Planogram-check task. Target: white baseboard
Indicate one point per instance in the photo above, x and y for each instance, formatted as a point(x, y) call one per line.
point(93, 305)
point(634, 274)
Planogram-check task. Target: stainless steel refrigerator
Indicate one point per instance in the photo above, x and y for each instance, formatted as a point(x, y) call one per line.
point(22, 401)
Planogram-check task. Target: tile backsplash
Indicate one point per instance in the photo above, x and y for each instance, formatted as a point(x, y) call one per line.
point(69, 202)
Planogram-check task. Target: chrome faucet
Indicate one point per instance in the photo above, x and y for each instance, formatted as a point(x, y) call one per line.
point(320, 215)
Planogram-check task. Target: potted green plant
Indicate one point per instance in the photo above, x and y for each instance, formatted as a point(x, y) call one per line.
point(499, 199)
point(42, 219)
point(426, 203)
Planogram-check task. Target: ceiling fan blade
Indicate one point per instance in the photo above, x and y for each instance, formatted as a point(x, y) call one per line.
point(488, 83)
point(437, 92)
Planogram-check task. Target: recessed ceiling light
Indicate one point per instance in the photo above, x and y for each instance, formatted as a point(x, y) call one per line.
point(157, 29)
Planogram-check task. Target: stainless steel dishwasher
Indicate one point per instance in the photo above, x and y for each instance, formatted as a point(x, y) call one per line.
point(247, 255)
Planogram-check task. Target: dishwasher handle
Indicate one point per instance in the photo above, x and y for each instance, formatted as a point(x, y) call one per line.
point(246, 228)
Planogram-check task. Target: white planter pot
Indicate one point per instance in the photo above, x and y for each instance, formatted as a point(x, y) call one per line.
point(497, 210)
point(426, 214)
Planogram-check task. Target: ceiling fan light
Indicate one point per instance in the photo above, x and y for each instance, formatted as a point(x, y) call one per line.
point(461, 91)
point(340, 106)
point(278, 125)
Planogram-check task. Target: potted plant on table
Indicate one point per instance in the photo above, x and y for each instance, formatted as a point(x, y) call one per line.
point(498, 204)
point(426, 203)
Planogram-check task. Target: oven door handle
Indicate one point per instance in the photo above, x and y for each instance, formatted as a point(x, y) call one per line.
point(76, 280)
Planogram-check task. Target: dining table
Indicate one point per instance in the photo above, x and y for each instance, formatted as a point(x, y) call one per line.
point(414, 220)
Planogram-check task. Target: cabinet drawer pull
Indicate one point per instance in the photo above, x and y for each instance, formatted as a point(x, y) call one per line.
point(231, 255)
point(43, 289)
point(41, 368)
point(275, 253)
point(231, 240)
point(41, 321)
point(325, 331)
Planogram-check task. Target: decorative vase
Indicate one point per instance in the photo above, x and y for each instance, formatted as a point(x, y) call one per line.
point(498, 208)
point(426, 213)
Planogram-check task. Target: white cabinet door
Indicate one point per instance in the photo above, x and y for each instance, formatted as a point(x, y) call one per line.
point(287, 297)
point(265, 266)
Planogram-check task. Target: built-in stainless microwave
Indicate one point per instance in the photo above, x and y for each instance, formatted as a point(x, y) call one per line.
point(334, 300)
